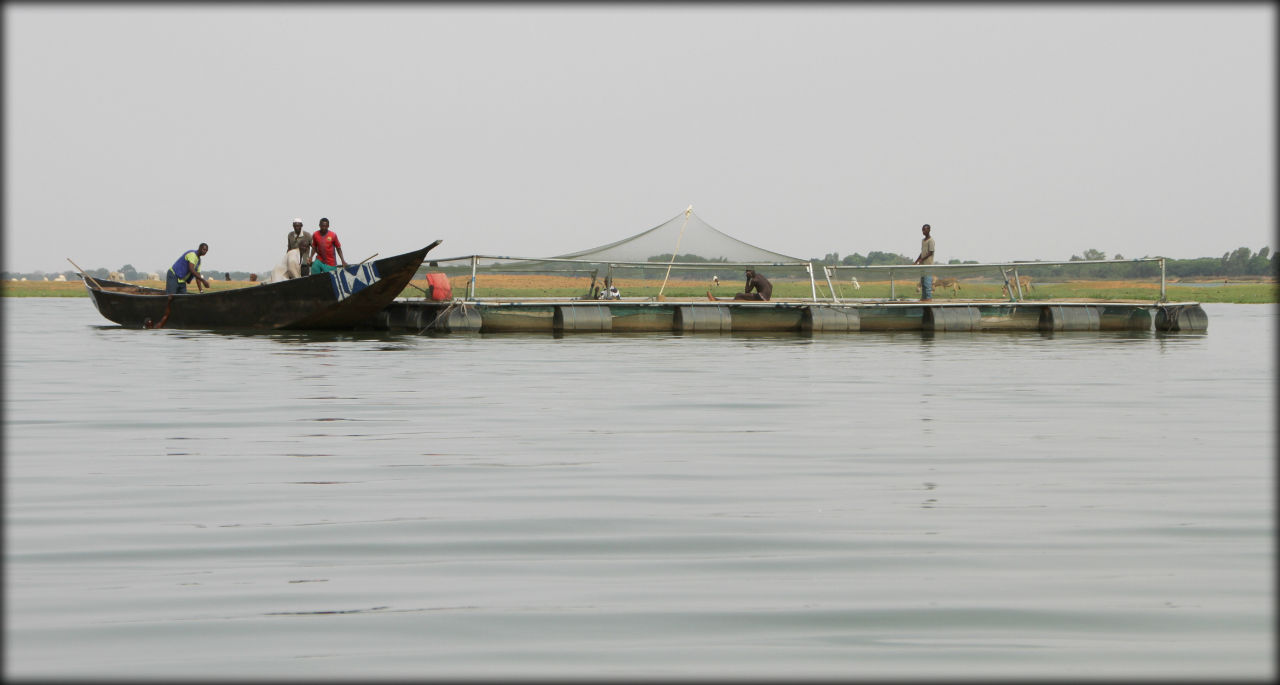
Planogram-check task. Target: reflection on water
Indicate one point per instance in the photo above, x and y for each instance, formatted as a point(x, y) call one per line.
point(186, 504)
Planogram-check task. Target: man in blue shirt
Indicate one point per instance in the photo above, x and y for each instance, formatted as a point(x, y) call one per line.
point(184, 270)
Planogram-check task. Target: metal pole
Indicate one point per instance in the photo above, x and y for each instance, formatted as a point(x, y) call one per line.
point(1008, 287)
point(1164, 297)
point(813, 285)
point(827, 271)
point(471, 286)
point(891, 297)
point(1017, 283)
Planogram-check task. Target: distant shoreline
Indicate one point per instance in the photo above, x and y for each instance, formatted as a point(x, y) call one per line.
point(1247, 290)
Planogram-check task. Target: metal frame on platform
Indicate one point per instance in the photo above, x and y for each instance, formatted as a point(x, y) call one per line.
point(1004, 269)
point(474, 261)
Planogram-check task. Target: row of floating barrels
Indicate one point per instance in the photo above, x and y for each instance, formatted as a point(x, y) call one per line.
point(463, 318)
point(591, 318)
point(1052, 318)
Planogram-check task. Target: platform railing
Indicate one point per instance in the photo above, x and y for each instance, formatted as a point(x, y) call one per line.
point(495, 263)
point(1004, 269)
point(1008, 272)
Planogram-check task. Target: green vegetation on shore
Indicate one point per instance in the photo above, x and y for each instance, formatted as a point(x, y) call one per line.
point(1239, 263)
point(76, 288)
point(1241, 293)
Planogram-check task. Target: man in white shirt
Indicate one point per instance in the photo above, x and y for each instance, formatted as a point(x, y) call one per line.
point(926, 257)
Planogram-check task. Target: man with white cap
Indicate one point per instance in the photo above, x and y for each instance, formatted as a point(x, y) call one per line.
point(299, 240)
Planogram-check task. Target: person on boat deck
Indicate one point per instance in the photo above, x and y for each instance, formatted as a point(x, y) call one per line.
point(299, 240)
point(325, 242)
point(926, 257)
point(763, 288)
point(185, 270)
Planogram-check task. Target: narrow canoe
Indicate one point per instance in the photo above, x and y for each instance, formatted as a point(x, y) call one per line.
point(348, 298)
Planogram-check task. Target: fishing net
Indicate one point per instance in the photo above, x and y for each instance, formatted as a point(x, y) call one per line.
point(701, 253)
point(692, 241)
point(687, 236)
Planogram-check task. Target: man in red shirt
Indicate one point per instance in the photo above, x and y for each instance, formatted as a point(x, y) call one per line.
point(325, 243)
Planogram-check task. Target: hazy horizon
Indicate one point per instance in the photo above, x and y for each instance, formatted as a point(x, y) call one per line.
point(1019, 132)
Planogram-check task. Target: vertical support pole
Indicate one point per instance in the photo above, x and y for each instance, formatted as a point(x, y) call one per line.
point(891, 297)
point(1017, 282)
point(1008, 287)
point(826, 270)
point(1164, 297)
point(471, 285)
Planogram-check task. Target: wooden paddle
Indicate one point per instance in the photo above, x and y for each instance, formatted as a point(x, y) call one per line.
point(84, 275)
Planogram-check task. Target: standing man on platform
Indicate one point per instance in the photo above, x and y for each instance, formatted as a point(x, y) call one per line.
point(926, 257)
point(325, 242)
point(299, 240)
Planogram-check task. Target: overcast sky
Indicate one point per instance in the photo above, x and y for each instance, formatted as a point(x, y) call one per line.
point(1028, 131)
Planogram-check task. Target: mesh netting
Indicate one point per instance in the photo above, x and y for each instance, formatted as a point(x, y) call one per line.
point(687, 236)
point(702, 253)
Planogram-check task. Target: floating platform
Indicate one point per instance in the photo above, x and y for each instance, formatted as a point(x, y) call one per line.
point(780, 316)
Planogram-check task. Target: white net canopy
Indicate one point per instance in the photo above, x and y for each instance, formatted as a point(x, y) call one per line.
point(688, 237)
point(701, 253)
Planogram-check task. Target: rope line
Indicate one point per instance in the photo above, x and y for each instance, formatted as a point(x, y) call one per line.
point(680, 237)
point(456, 304)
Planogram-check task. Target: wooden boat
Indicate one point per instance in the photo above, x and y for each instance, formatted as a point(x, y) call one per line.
point(348, 298)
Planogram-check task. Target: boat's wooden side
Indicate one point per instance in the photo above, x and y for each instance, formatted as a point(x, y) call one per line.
point(362, 308)
point(346, 298)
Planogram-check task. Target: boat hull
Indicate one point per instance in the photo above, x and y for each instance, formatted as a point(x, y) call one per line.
point(348, 298)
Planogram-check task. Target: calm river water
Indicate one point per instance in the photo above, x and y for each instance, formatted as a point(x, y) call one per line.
point(192, 504)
